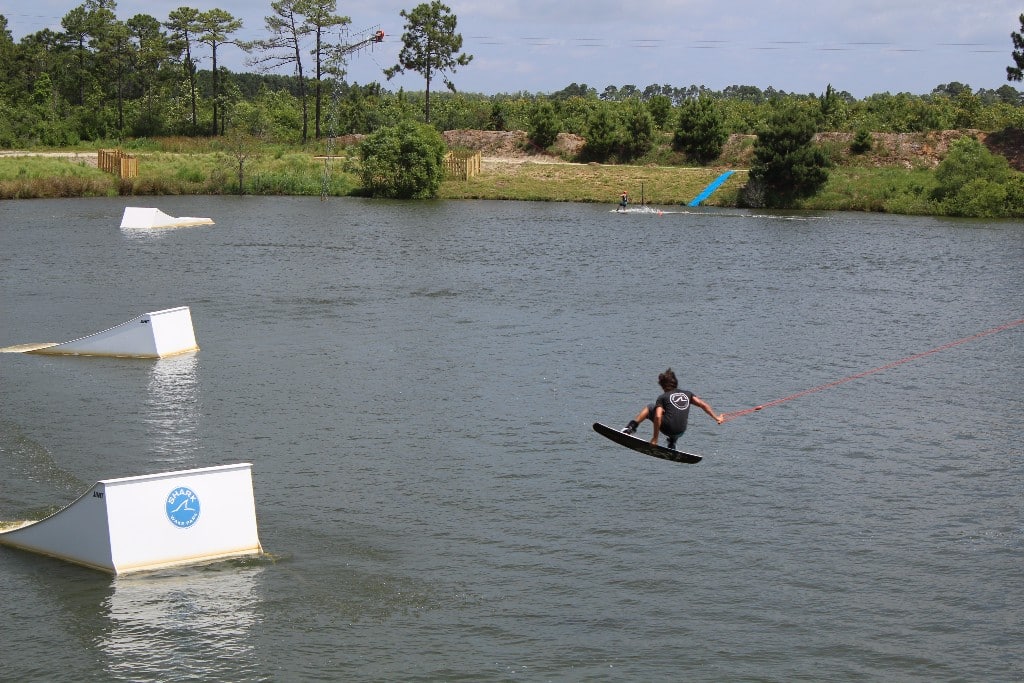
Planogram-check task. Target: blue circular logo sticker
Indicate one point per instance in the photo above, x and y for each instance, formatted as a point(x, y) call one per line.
point(182, 507)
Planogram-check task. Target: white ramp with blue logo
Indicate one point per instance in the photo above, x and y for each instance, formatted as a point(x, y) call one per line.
point(151, 522)
point(156, 334)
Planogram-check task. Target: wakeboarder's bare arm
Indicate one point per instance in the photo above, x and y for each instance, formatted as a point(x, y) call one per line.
point(696, 400)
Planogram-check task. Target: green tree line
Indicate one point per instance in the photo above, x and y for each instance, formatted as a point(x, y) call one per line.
point(103, 78)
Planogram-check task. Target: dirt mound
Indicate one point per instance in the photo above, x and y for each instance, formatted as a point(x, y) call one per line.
point(511, 144)
point(499, 144)
point(905, 150)
point(1008, 143)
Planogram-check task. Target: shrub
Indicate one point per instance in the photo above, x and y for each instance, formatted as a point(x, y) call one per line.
point(1015, 196)
point(602, 135)
point(862, 142)
point(639, 130)
point(700, 131)
point(979, 198)
point(544, 126)
point(787, 165)
point(405, 161)
point(972, 181)
point(968, 160)
point(660, 107)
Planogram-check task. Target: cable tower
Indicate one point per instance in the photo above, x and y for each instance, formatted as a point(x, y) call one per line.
point(367, 38)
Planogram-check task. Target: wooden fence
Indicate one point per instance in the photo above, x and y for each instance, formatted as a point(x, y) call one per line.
point(117, 162)
point(462, 165)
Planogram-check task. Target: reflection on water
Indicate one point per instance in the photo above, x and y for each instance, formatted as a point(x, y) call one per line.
point(194, 624)
point(171, 407)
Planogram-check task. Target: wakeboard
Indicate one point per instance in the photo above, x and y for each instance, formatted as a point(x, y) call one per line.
point(644, 446)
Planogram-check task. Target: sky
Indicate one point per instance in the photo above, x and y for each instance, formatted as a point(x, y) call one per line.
point(863, 47)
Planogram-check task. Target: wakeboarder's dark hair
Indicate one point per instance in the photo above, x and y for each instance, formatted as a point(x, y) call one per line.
point(667, 380)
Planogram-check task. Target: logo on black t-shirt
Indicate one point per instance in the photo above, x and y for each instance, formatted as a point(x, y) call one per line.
point(680, 400)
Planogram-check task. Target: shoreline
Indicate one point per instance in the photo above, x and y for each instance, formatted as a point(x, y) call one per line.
point(896, 177)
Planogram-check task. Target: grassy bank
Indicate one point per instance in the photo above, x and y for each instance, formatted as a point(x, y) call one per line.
point(291, 172)
point(169, 173)
point(529, 181)
point(33, 177)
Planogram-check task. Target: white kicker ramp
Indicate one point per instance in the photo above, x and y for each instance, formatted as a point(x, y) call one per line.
point(157, 334)
point(151, 521)
point(139, 218)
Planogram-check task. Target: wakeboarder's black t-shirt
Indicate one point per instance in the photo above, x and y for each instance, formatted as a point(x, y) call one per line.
point(676, 404)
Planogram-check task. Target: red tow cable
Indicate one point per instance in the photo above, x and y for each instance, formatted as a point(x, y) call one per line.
point(916, 356)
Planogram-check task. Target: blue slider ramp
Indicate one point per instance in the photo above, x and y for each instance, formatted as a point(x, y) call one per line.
point(715, 184)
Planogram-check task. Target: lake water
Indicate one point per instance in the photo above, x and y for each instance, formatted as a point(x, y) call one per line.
point(415, 384)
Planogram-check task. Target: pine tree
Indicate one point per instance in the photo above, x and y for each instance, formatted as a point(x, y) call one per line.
point(430, 46)
point(544, 126)
point(700, 133)
point(1016, 73)
point(787, 165)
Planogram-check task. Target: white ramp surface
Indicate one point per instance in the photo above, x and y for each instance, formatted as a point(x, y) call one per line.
point(156, 334)
point(151, 522)
point(144, 218)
